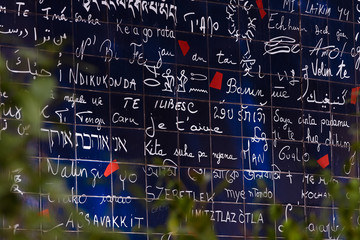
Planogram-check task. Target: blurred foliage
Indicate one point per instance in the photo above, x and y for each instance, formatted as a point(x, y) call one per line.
point(20, 208)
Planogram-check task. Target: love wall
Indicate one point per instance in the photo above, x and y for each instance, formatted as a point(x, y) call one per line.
point(255, 96)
